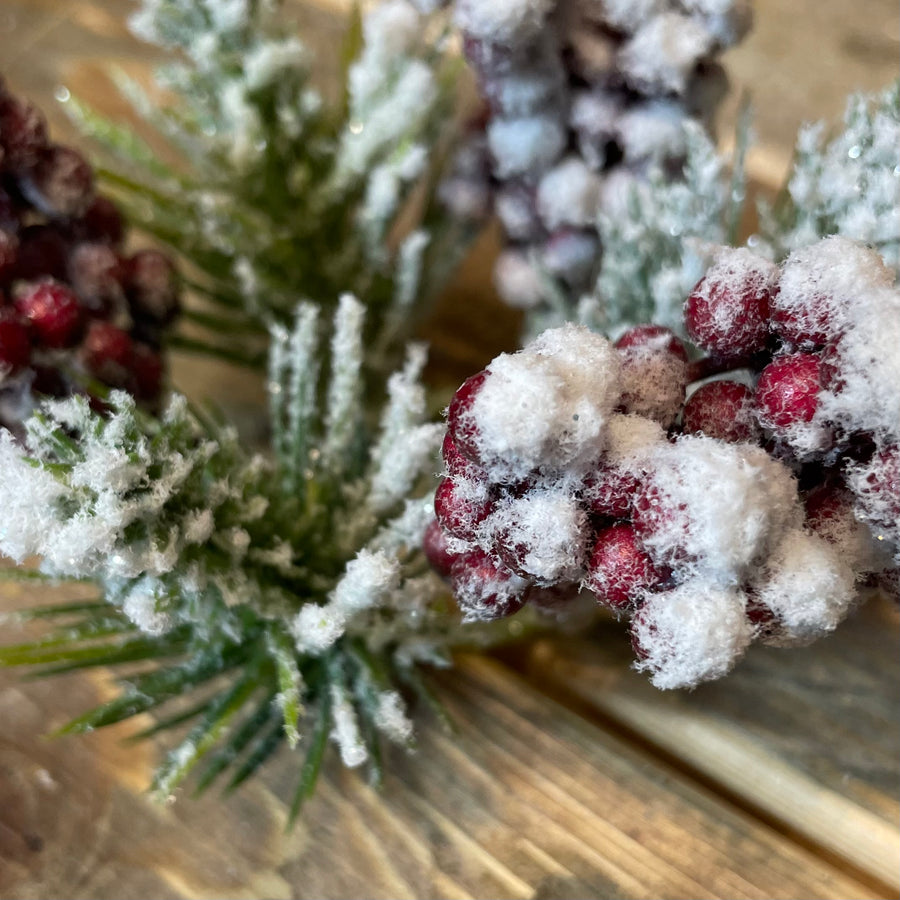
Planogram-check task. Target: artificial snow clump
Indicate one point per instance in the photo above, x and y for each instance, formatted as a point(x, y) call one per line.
point(692, 633)
point(546, 406)
point(503, 21)
point(808, 587)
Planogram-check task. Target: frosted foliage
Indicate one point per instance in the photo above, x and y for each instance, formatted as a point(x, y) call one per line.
point(652, 131)
point(568, 195)
point(727, 20)
point(502, 21)
point(547, 532)
point(268, 61)
point(808, 585)
point(526, 145)
point(663, 52)
point(391, 28)
point(517, 281)
point(346, 732)
point(144, 604)
point(827, 282)
point(867, 356)
point(720, 505)
point(547, 405)
point(848, 185)
point(391, 718)
point(695, 632)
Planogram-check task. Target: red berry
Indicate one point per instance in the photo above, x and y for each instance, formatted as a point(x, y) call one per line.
point(95, 272)
point(619, 570)
point(61, 185)
point(15, 345)
point(461, 506)
point(721, 409)
point(436, 549)
point(458, 465)
point(552, 598)
point(23, 134)
point(54, 312)
point(102, 221)
point(609, 492)
point(765, 623)
point(484, 589)
point(787, 392)
point(876, 487)
point(43, 253)
point(806, 324)
point(653, 337)
point(727, 313)
point(107, 353)
point(462, 428)
point(151, 287)
point(147, 373)
point(9, 254)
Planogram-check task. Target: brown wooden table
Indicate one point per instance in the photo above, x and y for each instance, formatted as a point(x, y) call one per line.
point(571, 777)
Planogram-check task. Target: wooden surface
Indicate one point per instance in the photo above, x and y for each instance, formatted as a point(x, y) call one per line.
point(570, 777)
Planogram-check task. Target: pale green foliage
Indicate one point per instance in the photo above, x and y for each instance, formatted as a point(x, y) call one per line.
point(846, 184)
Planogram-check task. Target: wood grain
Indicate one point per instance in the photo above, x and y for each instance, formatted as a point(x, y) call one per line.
point(810, 738)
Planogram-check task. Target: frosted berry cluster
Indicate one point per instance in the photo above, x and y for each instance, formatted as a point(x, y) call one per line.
point(747, 494)
point(73, 306)
point(582, 96)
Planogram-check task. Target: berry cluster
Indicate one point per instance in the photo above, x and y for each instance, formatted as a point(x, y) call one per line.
point(73, 306)
point(755, 508)
point(582, 96)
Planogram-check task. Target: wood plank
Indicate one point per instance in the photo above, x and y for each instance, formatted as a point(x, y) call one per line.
point(529, 801)
point(809, 737)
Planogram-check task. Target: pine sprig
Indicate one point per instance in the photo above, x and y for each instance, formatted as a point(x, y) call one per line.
point(270, 191)
point(275, 600)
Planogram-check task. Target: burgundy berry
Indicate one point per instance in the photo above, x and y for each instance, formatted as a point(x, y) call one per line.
point(96, 273)
point(107, 353)
point(53, 310)
point(653, 337)
point(876, 486)
point(459, 419)
point(61, 185)
point(9, 254)
point(151, 286)
point(787, 392)
point(609, 492)
point(23, 134)
point(43, 253)
point(457, 465)
point(807, 324)
point(15, 344)
point(727, 313)
point(461, 506)
point(641, 652)
point(484, 589)
point(146, 373)
point(721, 409)
point(765, 623)
point(619, 570)
point(103, 222)
point(436, 548)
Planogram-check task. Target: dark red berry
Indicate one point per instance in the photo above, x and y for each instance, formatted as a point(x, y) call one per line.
point(9, 254)
point(876, 486)
point(23, 134)
point(151, 287)
point(653, 337)
point(765, 623)
point(460, 423)
point(552, 598)
point(43, 253)
point(53, 310)
point(437, 550)
point(638, 624)
point(806, 324)
point(721, 409)
point(787, 392)
point(727, 313)
point(95, 272)
point(61, 185)
point(609, 492)
point(461, 506)
point(619, 570)
point(484, 589)
point(15, 344)
point(107, 353)
point(147, 373)
point(102, 221)
point(458, 465)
